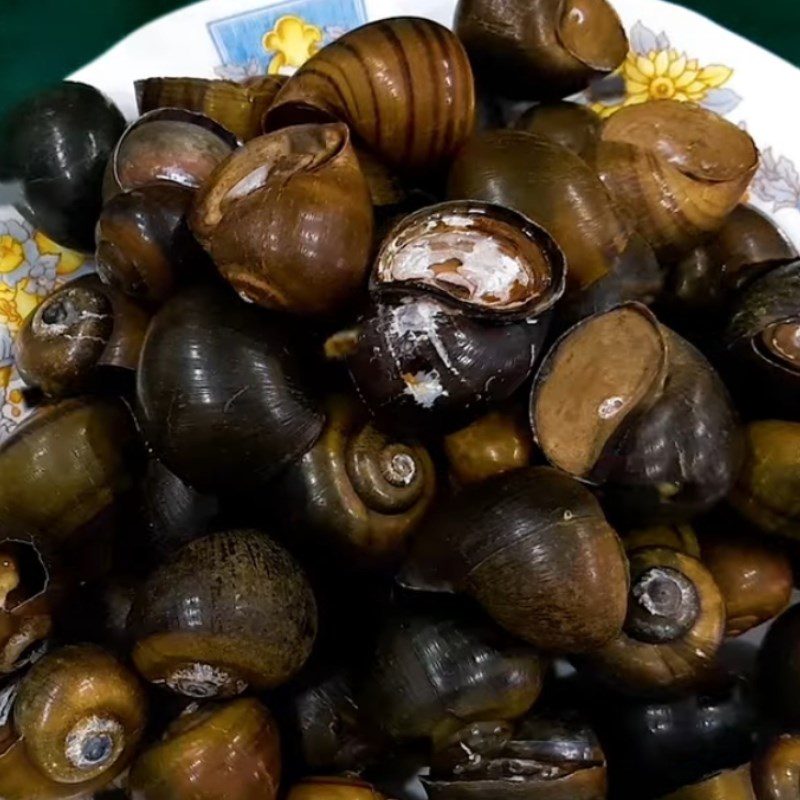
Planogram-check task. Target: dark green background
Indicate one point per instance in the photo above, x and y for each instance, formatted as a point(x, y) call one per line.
point(43, 40)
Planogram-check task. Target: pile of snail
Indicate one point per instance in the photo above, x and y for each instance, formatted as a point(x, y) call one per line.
point(421, 433)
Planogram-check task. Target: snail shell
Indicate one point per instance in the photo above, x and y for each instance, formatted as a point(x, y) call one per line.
point(776, 770)
point(431, 674)
point(238, 107)
point(733, 784)
point(674, 627)
point(570, 125)
point(195, 635)
point(210, 366)
point(230, 750)
point(403, 85)
point(534, 549)
point(80, 334)
point(623, 401)
point(288, 219)
point(333, 788)
point(358, 488)
point(80, 714)
point(674, 170)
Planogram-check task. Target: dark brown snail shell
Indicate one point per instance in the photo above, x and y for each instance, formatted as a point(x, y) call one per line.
point(755, 578)
point(762, 344)
point(735, 784)
point(540, 758)
point(404, 86)
point(144, 245)
point(333, 788)
point(571, 125)
point(767, 488)
point(674, 170)
point(655, 746)
point(431, 674)
point(779, 675)
point(704, 280)
point(775, 771)
point(419, 362)
point(623, 401)
point(674, 628)
point(230, 750)
point(196, 636)
point(64, 467)
point(498, 442)
point(482, 258)
point(78, 337)
point(534, 549)
point(358, 491)
point(55, 145)
point(210, 367)
point(238, 107)
point(540, 50)
point(167, 144)
point(288, 219)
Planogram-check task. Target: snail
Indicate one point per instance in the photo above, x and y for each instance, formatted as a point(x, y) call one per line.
point(56, 145)
point(543, 50)
point(540, 757)
point(65, 467)
point(196, 636)
point(778, 668)
point(775, 769)
point(624, 402)
point(431, 674)
point(674, 170)
point(238, 107)
point(766, 489)
point(167, 144)
point(229, 750)
point(680, 537)
point(403, 85)
point(78, 716)
point(483, 259)
point(762, 344)
point(571, 125)
point(79, 338)
point(497, 442)
point(333, 788)
point(288, 219)
point(534, 549)
point(674, 628)
point(209, 367)
point(734, 784)
point(358, 490)
point(655, 746)
point(144, 245)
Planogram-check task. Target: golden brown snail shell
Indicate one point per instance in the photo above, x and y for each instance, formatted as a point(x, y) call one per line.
point(674, 627)
point(766, 492)
point(333, 788)
point(144, 245)
point(167, 144)
point(776, 769)
point(230, 750)
point(733, 784)
point(534, 549)
point(238, 107)
point(403, 85)
point(195, 636)
point(623, 401)
point(539, 50)
point(288, 219)
point(674, 170)
point(675, 537)
point(79, 336)
point(498, 442)
point(571, 125)
point(358, 489)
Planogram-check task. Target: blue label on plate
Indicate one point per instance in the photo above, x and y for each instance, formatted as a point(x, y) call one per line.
point(278, 39)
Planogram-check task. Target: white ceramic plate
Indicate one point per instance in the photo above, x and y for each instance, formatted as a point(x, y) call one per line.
point(675, 52)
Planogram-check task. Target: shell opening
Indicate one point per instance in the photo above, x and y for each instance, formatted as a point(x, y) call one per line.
point(470, 254)
point(204, 681)
point(664, 605)
point(597, 375)
point(782, 341)
point(94, 742)
point(592, 32)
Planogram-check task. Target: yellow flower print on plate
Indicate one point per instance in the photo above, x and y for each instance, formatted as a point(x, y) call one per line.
point(294, 41)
